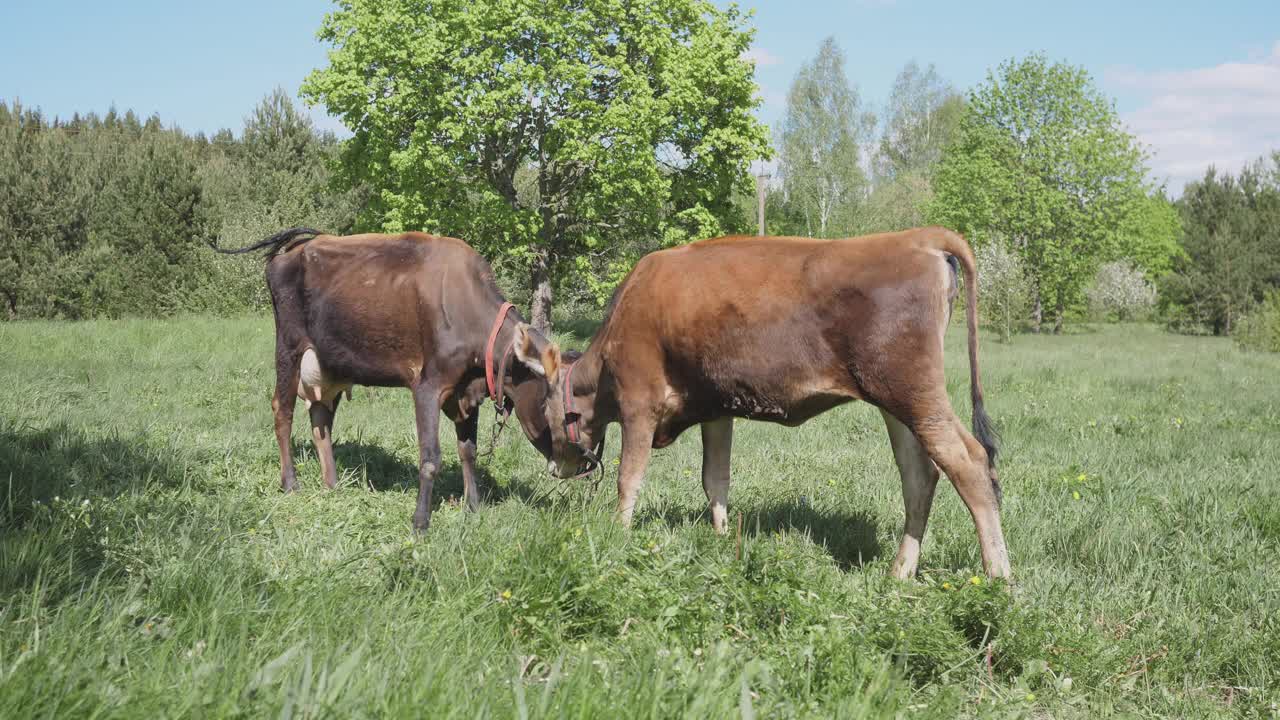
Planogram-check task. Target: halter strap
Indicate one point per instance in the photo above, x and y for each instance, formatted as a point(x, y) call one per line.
point(488, 350)
point(568, 403)
point(592, 455)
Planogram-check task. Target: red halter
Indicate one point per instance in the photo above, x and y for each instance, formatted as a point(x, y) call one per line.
point(488, 350)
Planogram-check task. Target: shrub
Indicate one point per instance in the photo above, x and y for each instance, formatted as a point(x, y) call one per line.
point(1260, 330)
point(1120, 291)
point(1004, 288)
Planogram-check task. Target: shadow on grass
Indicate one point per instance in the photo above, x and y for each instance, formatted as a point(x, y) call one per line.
point(850, 537)
point(49, 480)
point(383, 471)
point(64, 462)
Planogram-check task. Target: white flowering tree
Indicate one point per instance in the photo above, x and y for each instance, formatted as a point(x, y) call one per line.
point(1004, 288)
point(1120, 290)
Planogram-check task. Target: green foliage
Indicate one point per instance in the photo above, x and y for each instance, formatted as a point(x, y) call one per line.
point(1260, 329)
point(820, 145)
point(145, 548)
point(922, 117)
point(1150, 235)
point(109, 216)
point(544, 132)
point(1231, 250)
point(1041, 158)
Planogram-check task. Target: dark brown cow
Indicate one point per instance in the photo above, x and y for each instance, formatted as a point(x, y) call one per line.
point(781, 329)
point(408, 310)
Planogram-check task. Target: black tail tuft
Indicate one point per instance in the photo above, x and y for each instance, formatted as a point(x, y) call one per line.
point(986, 434)
point(283, 241)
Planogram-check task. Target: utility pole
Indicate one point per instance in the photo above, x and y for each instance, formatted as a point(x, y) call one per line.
point(761, 182)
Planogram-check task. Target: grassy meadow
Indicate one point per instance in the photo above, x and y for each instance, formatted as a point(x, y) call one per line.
point(150, 567)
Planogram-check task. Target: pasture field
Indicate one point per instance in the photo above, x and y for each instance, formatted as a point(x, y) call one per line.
point(150, 567)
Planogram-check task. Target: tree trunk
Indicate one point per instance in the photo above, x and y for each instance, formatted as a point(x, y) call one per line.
point(540, 293)
point(1058, 312)
point(1037, 314)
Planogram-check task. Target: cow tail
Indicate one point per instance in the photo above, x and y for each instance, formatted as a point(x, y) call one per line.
point(955, 245)
point(281, 242)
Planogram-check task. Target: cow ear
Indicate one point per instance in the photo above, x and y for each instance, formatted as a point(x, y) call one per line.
point(551, 360)
point(526, 349)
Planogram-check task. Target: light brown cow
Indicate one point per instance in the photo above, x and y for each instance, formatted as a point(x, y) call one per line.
point(782, 329)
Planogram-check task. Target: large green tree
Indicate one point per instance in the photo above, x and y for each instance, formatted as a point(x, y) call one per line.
point(544, 130)
point(1042, 162)
point(820, 145)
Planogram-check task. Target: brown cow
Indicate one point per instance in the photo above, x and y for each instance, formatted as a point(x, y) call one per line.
point(782, 329)
point(408, 310)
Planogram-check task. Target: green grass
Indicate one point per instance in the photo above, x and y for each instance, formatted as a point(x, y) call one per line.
point(149, 566)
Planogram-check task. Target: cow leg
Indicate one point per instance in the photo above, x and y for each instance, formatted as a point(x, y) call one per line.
point(468, 431)
point(322, 435)
point(426, 406)
point(637, 444)
point(964, 460)
point(919, 480)
point(282, 408)
point(717, 442)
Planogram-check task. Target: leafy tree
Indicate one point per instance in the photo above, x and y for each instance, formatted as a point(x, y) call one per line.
point(1150, 234)
point(820, 144)
point(1042, 158)
point(921, 118)
point(1232, 249)
point(544, 131)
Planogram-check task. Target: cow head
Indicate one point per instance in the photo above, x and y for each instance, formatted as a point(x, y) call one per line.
point(576, 439)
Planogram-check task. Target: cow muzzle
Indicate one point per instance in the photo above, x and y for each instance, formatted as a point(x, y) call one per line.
point(588, 462)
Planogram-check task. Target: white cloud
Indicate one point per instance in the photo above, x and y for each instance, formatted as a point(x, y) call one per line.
point(761, 57)
point(1225, 115)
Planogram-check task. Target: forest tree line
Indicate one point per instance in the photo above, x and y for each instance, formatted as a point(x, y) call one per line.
point(564, 181)
point(112, 215)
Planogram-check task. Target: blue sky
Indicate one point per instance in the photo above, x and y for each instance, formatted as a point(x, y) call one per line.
point(1199, 82)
